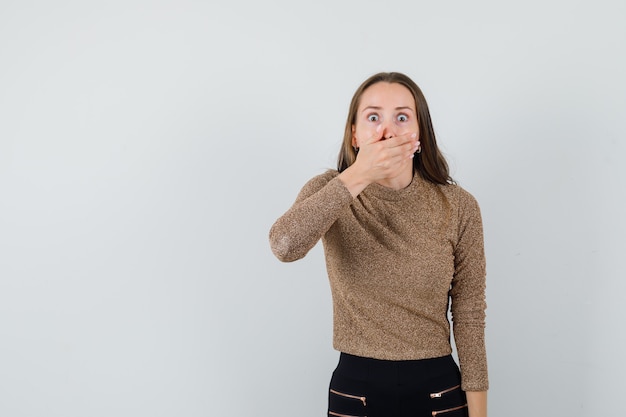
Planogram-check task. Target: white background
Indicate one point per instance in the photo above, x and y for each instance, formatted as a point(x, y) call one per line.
point(147, 147)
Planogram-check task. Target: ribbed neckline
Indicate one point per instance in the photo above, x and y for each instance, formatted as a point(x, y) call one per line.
point(386, 193)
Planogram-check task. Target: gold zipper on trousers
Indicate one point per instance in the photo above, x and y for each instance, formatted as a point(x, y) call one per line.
point(436, 413)
point(354, 397)
point(332, 413)
point(445, 391)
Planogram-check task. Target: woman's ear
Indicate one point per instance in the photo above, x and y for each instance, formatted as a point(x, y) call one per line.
point(354, 144)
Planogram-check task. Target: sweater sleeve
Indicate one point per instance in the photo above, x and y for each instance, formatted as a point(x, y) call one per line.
point(468, 296)
point(317, 207)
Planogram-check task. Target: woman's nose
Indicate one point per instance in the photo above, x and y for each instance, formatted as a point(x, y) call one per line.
point(388, 131)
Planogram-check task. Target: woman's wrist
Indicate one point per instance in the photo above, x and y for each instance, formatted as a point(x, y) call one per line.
point(353, 180)
point(477, 403)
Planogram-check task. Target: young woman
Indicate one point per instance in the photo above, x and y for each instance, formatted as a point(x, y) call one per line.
point(403, 243)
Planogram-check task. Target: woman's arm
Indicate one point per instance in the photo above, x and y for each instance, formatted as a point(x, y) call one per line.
point(319, 204)
point(477, 403)
point(468, 296)
point(322, 199)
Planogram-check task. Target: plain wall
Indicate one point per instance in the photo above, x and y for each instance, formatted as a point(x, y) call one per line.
point(147, 147)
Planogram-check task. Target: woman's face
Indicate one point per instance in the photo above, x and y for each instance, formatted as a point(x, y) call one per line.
point(389, 105)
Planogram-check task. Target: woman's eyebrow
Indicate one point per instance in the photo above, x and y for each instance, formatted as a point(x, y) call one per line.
point(371, 108)
point(380, 108)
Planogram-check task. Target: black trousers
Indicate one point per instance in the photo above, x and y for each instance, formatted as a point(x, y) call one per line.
point(364, 387)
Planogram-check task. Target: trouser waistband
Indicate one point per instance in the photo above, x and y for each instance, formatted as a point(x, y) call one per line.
point(381, 371)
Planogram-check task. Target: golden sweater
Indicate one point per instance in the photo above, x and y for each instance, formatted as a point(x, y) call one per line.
point(395, 260)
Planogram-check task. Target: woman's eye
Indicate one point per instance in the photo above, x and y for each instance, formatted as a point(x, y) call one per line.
point(402, 118)
point(372, 118)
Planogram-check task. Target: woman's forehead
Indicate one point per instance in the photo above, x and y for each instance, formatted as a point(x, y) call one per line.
point(384, 94)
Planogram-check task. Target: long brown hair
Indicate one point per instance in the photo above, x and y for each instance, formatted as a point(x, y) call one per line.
point(430, 163)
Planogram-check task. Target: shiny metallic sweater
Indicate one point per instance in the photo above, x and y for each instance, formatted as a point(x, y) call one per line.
point(396, 261)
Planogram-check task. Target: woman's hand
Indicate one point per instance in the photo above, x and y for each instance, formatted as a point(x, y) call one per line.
point(380, 160)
